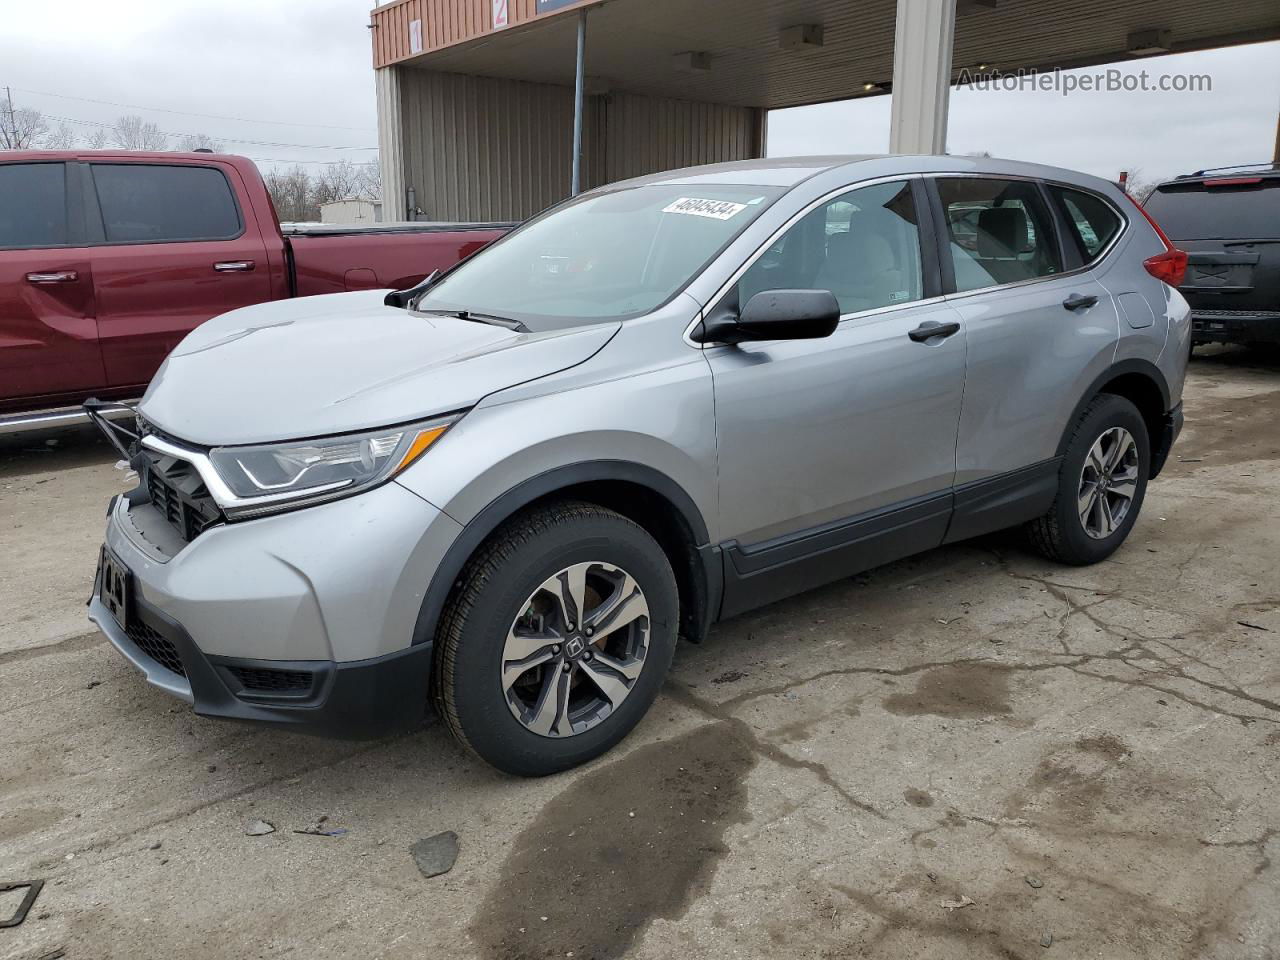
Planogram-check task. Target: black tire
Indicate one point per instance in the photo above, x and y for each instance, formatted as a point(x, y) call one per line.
point(1060, 534)
point(496, 582)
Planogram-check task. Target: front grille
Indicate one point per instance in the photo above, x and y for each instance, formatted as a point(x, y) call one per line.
point(265, 680)
point(176, 490)
point(155, 646)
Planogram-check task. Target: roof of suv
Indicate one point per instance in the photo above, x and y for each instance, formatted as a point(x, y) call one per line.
point(788, 172)
point(1234, 171)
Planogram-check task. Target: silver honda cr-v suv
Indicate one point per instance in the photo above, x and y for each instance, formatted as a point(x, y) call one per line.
point(664, 402)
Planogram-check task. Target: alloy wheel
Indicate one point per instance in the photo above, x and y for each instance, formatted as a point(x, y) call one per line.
point(576, 649)
point(1108, 483)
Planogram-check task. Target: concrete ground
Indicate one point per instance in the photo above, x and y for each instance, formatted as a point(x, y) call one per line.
point(973, 753)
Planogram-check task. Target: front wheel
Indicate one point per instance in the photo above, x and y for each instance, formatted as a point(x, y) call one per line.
point(1101, 484)
point(557, 640)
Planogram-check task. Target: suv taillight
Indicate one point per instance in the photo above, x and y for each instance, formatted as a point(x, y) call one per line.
point(1170, 266)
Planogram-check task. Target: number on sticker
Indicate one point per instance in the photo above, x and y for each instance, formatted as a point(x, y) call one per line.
point(715, 209)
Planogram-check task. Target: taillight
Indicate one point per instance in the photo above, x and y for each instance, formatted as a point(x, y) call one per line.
point(1170, 266)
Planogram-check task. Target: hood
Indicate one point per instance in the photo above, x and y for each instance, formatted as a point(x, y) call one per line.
point(343, 362)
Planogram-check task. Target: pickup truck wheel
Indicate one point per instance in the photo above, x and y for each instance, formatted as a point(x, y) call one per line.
point(557, 640)
point(1101, 485)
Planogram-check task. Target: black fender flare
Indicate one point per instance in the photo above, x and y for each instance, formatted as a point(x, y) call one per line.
point(520, 496)
point(1133, 365)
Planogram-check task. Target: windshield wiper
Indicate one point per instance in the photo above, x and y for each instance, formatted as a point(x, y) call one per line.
point(473, 317)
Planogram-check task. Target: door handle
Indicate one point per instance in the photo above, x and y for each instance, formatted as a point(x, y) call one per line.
point(931, 328)
point(233, 266)
point(58, 276)
point(1078, 301)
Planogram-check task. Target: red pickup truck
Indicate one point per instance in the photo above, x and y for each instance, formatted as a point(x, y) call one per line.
point(108, 259)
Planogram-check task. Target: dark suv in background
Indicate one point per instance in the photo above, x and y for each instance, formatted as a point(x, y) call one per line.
point(1228, 221)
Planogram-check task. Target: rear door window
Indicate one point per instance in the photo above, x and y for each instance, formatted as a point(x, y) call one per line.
point(154, 203)
point(1093, 222)
point(1231, 211)
point(998, 231)
point(33, 205)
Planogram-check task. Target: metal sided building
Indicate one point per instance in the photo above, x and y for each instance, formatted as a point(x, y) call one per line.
point(481, 103)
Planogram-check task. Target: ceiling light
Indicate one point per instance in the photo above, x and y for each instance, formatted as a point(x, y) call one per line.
point(692, 60)
point(1143, 42)
point(803, 36)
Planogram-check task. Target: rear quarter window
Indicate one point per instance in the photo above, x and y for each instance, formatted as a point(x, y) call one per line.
point(155, 203)
point(33, 205)
point(1092, 221)
point(1193, 211)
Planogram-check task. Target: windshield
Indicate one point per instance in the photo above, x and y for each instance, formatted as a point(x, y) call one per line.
point(1194, 212)
point(607, 256)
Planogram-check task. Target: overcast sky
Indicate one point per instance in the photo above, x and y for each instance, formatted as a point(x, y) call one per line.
point(1161, 134)
point(296, 76)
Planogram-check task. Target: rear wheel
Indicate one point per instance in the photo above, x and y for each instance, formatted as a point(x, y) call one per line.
point(558, 639)
point(1101, 484)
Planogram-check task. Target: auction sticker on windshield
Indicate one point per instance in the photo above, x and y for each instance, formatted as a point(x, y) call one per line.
point(716, 209)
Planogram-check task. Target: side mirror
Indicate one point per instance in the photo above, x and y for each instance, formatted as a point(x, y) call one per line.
point(777, 315)
point(402, 298)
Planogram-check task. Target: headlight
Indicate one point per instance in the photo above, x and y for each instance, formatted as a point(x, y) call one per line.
point(281, 475)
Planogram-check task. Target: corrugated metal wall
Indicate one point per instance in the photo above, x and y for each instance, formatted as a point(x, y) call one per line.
point(646, 134)
point(480, 148)
point(386, 84)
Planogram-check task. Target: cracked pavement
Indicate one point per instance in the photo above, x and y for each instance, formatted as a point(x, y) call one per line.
point(1089, 755)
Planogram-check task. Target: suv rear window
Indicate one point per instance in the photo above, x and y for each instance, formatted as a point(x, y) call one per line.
point(153, 203)
point(1192, 211)
point(34, 210)
point(1092, 220)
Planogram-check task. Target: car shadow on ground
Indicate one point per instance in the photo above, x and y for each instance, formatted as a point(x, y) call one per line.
point(1222, 356)
point(52, 450)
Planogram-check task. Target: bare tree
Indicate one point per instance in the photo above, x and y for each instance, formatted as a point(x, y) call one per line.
point(292, 193)
point(21, 128)
point(369, 182)
point(336, 182)
point(1138, 186)
point(98, 140)
point(64, 138)
point(297, 194)
point(345, 180)
point(199, 141)
point(133, 133)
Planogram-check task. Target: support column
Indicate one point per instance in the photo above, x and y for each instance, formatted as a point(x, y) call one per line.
point(579, 106)
point(390, 143)
point(922, 49)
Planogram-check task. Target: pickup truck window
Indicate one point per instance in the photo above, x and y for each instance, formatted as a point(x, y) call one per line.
point(605, 256)
point(34, 211)
point(155, 203)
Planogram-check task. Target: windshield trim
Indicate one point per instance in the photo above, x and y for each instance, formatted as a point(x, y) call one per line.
point(564, 323)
